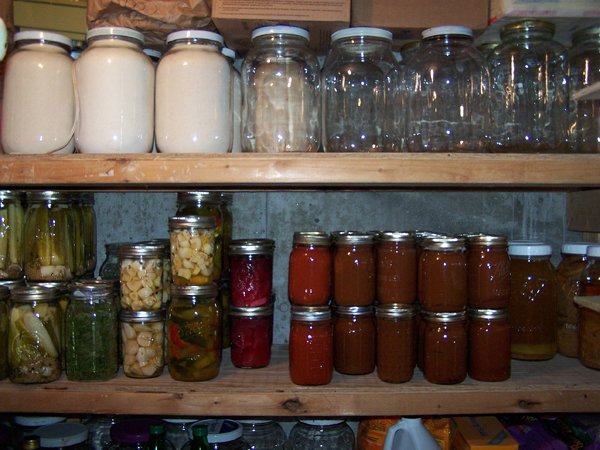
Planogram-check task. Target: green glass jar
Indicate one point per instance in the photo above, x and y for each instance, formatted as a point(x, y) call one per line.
point(4, 309)
point(12, 220)
point(91, 332)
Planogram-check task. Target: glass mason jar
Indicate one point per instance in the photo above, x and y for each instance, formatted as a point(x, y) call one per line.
point(489, 344)
point(223, 434)
point(114, 81)
point(110, 268)
point(321, 434)
point(311, 345)
point(584, 70)
point(38, 108)
point(193, 95)
point(488, 269)
point(444, 347)
point(99, 430)
point(281, 93)
point(236, 101)
point(142, 342)
point(442, 276)
point(251, 269)
point(91, 352)
point(192, 249)
point(532, 307)
point(396, 342)
point(590, 279)
point(4, 324)
point(263, 434)
point(530, 91)
point(12, 221)
point(48, 249)
point(359, 88)
point(569, 272)
point(446, 93)
point(86, 200)
point(251, 336)
point(141, 276)
point(224, 298)
point(78, 236)
point(34, 353)
point(178, 431)
point(354, 340)
point(588, 327)
point(226, 201)
point(354, 276)
point(194, 333)
point(167, 271)
point(396, 267)
point(310, 264)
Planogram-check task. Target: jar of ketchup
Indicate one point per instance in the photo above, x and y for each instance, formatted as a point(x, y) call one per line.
point(309, 278)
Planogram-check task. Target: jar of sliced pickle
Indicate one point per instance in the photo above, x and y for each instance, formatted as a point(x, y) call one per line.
point(141, 268)
point(192, 249)
point(12, 220)
point(142, 341)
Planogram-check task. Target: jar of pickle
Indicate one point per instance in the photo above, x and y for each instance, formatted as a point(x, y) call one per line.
point(354, 340)
point(12, 217)
point(251, 268)
point(310, 263)
point(141, 276)
point(91, 352)
point(489, 344)
point(309, 434)
point(194, 333)
point(142, 342)
point(488, 269)
point(192, 249)
point(396, 267)
point(4, 322)
point(396, 342)
point(532, 308)
point(49, 249)
point(354, 277)
point(251, 336)
point(34, 335)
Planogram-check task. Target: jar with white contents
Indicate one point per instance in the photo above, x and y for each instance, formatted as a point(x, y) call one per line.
point(141, 269)
point(143, 338)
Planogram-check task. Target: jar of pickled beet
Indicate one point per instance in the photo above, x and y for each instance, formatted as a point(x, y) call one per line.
point(444, 347)
point(251, 336)
point(309, 278)
point(251, 268)
point(489, 344)
point(396, 267)
point(354, 340)
point(443, 274)
point(354, 269)
point(488, 271)
point(396, 342)
point(311, 345)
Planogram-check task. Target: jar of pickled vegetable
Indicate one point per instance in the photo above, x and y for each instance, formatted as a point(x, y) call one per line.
point(167, 271)
point(354, 277)
point(354, 340)
point(192, 249)
point(194, 333)
point(110, 269)
point(142, 342)
point(251, 336)
point(86, 200)
point(34, 335)
point(224, 301)
point(12, 220)
point(396, 342)
point(4, 310)
point(489, 344)
point(91, 333)
point(78, 235)
point(49, 249)
point(310, 263)
point(251, 268)
point(396, 267)
point(488, 271)
point(141, 276)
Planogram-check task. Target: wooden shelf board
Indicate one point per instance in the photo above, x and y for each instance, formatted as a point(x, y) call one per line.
point(299, 171)
point(559, 385)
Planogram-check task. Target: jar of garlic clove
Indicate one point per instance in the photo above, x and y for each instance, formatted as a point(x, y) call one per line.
point(141, 268)
point(142, 340)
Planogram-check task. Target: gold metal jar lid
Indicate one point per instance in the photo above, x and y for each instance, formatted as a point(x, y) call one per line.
point(396, 236)
point(201, 293)
point(142, 316)
point(319, 238)
point(445, 243)
point(252, 247)
point(251, 311)
point(194, 221)
point(444, 317)
point(138, 249)
point(311, 313)
point(353, 310)
point(488, 240)
point(353, 238)
point(395, 310)
point(491, 314)
point(28, 294)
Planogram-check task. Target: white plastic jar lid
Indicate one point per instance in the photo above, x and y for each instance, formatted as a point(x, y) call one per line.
point(43, 36)
point(322, 422)
point(62, 435)
point(574, 248)
point(152, 53)
point(529, 248)
point(37, 421)
point(362, 32)
point(219, 430)
point(447, 30)
point(280, 29)
point(115, 31)
point(228, 53)
point(195, 34)
point(593, 251)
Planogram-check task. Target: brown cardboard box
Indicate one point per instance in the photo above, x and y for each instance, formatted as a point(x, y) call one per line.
point(67, 17)
point(481, 433)
point(235, 19)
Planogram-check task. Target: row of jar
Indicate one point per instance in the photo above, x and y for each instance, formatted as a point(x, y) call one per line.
point(445, 97)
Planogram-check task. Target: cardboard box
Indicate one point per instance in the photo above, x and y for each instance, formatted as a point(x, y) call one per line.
point(67, 17)
point(236, 19)
point(481, 433)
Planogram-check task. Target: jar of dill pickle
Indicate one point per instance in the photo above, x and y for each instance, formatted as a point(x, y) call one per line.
point(12, 216)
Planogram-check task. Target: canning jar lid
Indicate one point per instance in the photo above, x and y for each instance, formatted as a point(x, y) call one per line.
point(138, 249)
point(322, 422)
point(591, 32)
point(484, 313)
point(11, 195)
point(116, 32)
point(251, 311)
point(574, 248)
point(312, 237)
point(280, 29)
point(219, 430)
point(48, 196)
point(251, 247)
point(528, 25)
point(395, 310)
point(354, 310)
point(447, 30)
point(37, 421)
point(362, 32)
point(443, 317)
point(486, 239)
point(446, 243)
point(529, 248)
point(192, 222)
point(94, 289)
point(593, 251)
point(25, 294)
point(142, 316)
point(195, 34)
point(353, 238)
point(152, 53)
point(199, 293)
point(396, 236)
point(228, 53)
point(44, 36)
point(311, 313)
point(61, 435)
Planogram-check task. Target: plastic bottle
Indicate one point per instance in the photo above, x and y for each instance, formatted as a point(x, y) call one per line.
point(409, 434)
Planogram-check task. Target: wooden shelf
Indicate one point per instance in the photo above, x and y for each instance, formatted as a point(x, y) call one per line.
point(559, 385)
point(300, 171)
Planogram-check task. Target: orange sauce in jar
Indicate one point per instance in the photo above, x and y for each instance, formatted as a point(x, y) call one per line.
point(396, 342)
point(354, 340)
point(396, 267)
point(310, 264)
point(489, 344)
point(354, 276)
point(589, 331)
point(488, 271)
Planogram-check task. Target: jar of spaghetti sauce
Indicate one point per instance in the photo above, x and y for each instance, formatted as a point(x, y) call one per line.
point(396, 342)
point(309, 278)
point(488, 271)
point(354, 340)
point(489, 344)
point(311, 345)
point(445, 347)
point(251, 336)
point(590, 283)
point(251, 271)
point(354, 277)
point(396, 267)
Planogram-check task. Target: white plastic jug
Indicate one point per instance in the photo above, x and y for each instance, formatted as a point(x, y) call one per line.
point(3, 39)
point(409, 434)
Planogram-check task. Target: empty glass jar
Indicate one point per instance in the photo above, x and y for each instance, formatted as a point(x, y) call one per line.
point(319, 434)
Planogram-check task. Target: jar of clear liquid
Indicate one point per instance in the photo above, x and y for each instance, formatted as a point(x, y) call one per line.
point(319, 434)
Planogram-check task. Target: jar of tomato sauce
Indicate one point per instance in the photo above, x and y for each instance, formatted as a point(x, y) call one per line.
point(488, 271)
point(443, 274)
point(489, 344)
point(396, 342)
point(590, 283)
point(251, 271)
point(309, 278)
point(311, 345)
point(589, 329)
point(354, 272)
point(251, 336)
point(396, 267)
point(354, 340)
